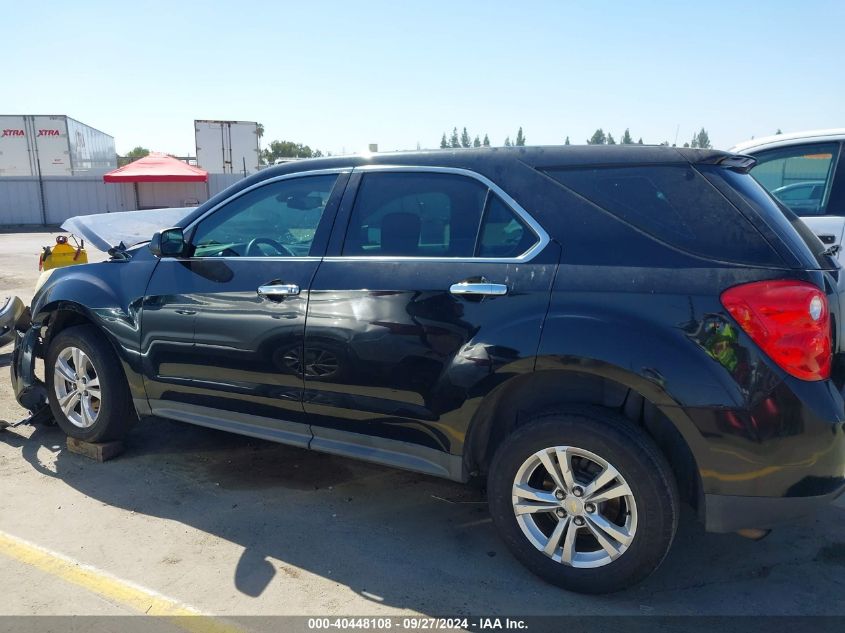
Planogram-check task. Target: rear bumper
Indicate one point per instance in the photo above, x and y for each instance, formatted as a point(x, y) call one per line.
point(780, 459)
point(725, 513)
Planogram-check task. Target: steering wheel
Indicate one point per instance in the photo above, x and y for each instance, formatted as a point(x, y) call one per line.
point(252, 249)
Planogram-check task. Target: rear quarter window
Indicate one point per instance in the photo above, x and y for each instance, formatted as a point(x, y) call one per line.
point(674, 204)
point(790, 229)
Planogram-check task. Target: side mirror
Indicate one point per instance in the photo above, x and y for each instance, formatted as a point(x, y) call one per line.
point(168, 243)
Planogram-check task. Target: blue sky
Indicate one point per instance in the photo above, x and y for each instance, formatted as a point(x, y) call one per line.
point(340, 75)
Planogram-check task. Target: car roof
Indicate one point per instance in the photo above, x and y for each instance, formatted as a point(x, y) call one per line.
point(489, 158)
point(785, 140)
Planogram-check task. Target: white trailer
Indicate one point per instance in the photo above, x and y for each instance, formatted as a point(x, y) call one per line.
point(53, 145)
point(227, 147)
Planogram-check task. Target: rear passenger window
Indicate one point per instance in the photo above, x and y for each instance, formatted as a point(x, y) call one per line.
point(798, 176)
point(415, 214)
point(675, 204)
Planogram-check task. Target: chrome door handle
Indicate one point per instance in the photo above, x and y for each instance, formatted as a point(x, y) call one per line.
point(275, 291)
point(483, 288)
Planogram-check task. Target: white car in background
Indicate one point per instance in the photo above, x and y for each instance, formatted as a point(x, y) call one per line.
point(805, 171)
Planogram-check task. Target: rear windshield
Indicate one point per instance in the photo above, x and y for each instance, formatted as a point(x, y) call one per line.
point(796, 235)
point(676, 205)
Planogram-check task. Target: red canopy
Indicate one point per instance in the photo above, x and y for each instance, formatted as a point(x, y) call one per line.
point(157, 168)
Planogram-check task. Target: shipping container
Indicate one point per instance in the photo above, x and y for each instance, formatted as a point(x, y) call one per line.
point(53, 145)
point(227, 147)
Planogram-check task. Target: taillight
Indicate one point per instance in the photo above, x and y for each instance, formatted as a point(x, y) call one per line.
point(790, 322)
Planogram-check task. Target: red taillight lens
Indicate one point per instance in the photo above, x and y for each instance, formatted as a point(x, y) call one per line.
point(789, 320)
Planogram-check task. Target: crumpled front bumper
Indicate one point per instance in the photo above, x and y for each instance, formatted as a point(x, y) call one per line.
point(11, 309)
point(29, 391)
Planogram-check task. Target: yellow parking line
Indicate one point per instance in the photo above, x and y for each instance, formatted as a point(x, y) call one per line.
point(114, 589)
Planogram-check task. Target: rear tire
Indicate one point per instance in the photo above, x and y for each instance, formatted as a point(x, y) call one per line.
point(86, 386)
point(603, 523)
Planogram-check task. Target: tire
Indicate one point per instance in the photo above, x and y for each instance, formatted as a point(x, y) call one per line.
point(640, 500)
point(104, 418)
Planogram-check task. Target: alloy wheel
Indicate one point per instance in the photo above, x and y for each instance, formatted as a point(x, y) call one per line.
point(574, 506)
point(77, 386)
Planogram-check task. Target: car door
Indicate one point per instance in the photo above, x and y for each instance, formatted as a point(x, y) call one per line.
point(801, 177)
point(433, 290)
point(222, 330)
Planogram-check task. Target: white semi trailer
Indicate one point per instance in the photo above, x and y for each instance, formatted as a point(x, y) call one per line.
point(227, 147)
point(53, 145)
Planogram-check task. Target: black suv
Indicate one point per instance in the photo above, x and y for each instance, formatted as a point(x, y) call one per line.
point(601, 332)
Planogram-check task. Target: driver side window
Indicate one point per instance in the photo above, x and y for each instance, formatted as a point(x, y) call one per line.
point(276, 220)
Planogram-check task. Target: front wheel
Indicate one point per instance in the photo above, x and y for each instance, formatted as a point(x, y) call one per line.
point(86, 386)
point(584, 499)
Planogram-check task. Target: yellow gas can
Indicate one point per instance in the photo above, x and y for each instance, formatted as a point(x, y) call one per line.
point(62, 254)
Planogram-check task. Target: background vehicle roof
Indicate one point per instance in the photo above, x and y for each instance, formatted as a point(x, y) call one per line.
point(793, 138)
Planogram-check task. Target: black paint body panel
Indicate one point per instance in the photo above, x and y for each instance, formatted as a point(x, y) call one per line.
point(415, 363)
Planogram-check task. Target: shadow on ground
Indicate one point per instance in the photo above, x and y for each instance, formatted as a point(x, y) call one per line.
point(416, 542)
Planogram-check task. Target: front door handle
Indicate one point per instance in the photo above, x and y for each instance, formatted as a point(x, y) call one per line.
point(278, 290)
point(482, 288)
point(826, 238)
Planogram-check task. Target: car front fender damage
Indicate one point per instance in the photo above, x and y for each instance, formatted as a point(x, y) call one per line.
point(30, 392)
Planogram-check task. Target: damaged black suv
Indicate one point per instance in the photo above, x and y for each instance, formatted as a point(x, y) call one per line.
point(601, 332)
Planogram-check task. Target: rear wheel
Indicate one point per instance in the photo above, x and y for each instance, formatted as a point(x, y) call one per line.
point(584, 499)
point(86, 387)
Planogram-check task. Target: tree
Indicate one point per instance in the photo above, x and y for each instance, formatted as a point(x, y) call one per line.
point(465, 140)
point(486, 141)
point(611, 140)
point(701, 140)
point(137, 152)
point(640, 142)
point(287, 149)
point(566, 142)
point(508, 141)
point(685, 145)
point(626, 138)
point(476, 142)
point(259, 129)
point(778, 132)
point(520, 138)
point(454, 141)
point(132, 155)
point(598, 138)
point(443, 142)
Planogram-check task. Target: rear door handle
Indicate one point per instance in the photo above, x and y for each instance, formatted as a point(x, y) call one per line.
point(478, 288)
point(827, 238)
point(278, 290)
